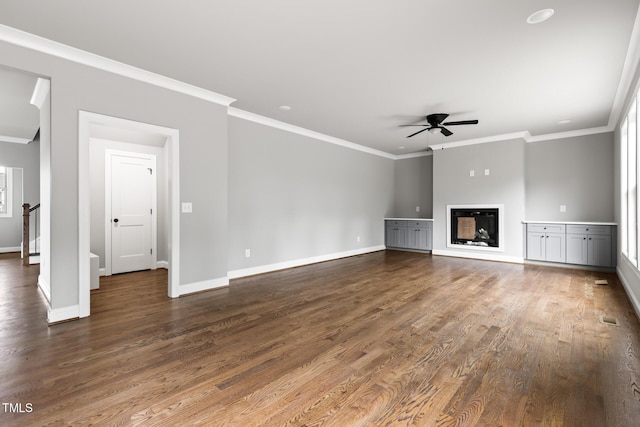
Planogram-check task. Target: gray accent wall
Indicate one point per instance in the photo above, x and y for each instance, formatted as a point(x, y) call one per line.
point(413, 186)
point(203, 162)
point(504, 185)
point(576, 172)
point(292, 197)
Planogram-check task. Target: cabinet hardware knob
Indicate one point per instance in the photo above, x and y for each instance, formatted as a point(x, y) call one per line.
point(584, 238)
point(587, 229)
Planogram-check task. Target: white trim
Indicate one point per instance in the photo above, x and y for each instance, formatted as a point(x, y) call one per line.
point(10, 249)
point(108, 229)
point(102, 272)
point(505, 137)
point(501, 215)
point(631, 63)
point(413, 155)
point(14, 140)
point(205, 285)
point(569, 134)
point(44, 287)
point(299, 262)
point(61, 314)
point(162, 264)
point(256, 118)
point(40, 92)
point(627, 287)
point(50, 47)
point(484, 257)
point(85, 121)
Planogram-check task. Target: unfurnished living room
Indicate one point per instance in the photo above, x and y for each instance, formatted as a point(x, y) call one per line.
point(305, 213)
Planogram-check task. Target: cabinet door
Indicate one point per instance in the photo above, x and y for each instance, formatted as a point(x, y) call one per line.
point(413, 238)
point(599, 250)
point(429, 236)
point(577, 248)
point(555, 247)
point(536, 245)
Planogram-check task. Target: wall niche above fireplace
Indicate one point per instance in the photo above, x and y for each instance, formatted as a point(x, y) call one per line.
point(475, 226)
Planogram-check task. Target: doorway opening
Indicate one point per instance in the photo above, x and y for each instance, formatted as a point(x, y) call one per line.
point(94, 127)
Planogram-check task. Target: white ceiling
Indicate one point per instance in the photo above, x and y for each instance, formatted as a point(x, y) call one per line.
point(19, 120)
point(357, 69)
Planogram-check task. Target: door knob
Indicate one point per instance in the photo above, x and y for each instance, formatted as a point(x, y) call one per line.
point(116, 220)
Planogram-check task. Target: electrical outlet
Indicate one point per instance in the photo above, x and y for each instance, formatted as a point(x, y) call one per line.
point(563, 208)
point(417, 208)
point(472, 173)
point(187, 207)
point(487, 171)
point(358, 239)
point(247, 253)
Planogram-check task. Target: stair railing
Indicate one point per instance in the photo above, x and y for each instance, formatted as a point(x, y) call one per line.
point(27, 229)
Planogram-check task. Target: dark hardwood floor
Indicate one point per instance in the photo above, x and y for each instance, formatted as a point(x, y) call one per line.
point(388, 338)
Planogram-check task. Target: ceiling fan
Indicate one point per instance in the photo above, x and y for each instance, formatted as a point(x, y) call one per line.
point(435, 122)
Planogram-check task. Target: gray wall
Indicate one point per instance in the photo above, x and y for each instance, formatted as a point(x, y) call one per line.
point(413, 186)
point(292, 197)
point(203, 162)
point(575, 172)
point(26, 181)
point(97, 149)
point(452, 185)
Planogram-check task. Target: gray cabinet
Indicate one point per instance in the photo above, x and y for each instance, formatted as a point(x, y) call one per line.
point(581, 244)
point(419, 235)
point(589, 245)
point(546, 242)
point(409, 234)
point(396, 234)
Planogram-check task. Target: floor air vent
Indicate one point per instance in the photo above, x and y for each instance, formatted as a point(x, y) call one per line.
point(608, 320)
point(601, 282)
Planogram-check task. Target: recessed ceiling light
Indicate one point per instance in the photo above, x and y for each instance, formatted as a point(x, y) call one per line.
point(564, 122)
point(540, 16)
point(284, 108)
point(401, 148)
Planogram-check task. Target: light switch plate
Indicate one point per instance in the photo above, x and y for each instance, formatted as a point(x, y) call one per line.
point(472, 173)
point(187, 207)
point(487, 171)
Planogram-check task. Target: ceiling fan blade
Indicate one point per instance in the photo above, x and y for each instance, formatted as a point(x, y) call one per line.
point(421, 130)
point(462, 122)
point(445, 131)
point(412, 125)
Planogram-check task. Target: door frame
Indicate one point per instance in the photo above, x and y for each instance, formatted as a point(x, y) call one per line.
point(172, 146)
point(108, 229)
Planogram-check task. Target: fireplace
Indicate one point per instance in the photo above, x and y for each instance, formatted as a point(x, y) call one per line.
point(474, 226)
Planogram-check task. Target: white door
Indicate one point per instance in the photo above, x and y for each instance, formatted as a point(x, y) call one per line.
point(132, 209)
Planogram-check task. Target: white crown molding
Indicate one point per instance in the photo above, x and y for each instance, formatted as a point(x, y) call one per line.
point(631, 63)
point(31, 41)
point(14, 140)
point(256, 118)
point(413, 155)
point(569, 134)
point(504, 137)
point(40, 92)
point(525, 135)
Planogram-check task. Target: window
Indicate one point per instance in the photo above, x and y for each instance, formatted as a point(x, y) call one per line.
point(6, 190)
point(629, 183)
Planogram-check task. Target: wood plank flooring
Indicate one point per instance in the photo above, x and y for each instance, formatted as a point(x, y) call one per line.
point(384, 339)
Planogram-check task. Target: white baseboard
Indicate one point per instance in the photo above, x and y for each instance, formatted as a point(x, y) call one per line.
point(203, 286)
point(102, 272)
point(61, 314)
point(235, 274)
point(10, 249)
point(484, 257)
point(44, 288)
point(628, 289)
point(162, 264)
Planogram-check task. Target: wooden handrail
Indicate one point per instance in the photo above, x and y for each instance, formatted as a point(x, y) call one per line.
point(26, 211)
